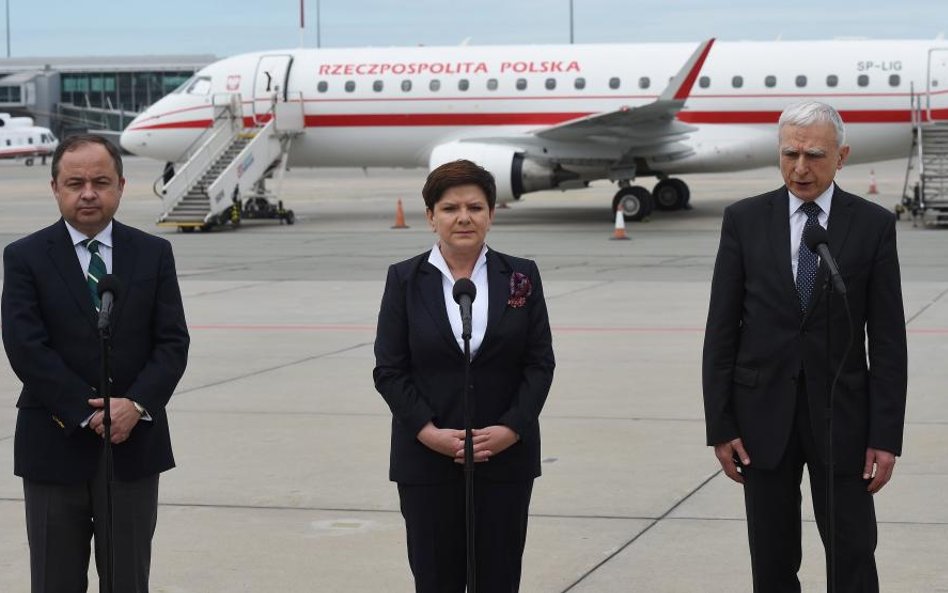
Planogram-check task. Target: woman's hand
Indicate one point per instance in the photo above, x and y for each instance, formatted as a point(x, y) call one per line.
point(441, 440)
point(488, 441)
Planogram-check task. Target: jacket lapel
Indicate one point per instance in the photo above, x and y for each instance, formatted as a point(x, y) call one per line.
point(62, 253)
point(431, 288)
point(498, 291)
point(124, 258)
point(780, 242)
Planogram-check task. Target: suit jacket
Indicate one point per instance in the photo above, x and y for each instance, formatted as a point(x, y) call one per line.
point(51, 340)
point(757, 341)
point(420, 369)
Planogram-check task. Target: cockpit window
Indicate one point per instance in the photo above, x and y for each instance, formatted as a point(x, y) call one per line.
point(196, 85)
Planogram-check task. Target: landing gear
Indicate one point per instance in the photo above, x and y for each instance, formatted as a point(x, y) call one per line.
point(635, 202)
point(671, 194)
point(28, 162)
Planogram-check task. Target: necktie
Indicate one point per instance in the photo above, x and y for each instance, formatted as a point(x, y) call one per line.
point(807, 261)
point(96, 270)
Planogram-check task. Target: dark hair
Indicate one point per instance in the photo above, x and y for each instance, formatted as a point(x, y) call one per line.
point(455, 173)
point(73, 142)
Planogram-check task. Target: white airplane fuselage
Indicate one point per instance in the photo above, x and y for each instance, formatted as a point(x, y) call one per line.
point(392, 107)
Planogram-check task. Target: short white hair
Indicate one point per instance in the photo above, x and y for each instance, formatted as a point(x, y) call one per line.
point(807, 113)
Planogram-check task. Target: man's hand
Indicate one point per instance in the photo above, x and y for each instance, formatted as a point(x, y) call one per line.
point(124, 418)
point(441, 440)
point(726, 453)
point(879, 467)
point(488, 441)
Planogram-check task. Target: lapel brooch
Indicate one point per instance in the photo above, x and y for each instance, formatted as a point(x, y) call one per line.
point(520, 289)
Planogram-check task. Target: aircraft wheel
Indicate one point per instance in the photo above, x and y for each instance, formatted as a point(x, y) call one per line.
point(671, 194)
point(28, 162)
point(290, 217)
point(636, 202)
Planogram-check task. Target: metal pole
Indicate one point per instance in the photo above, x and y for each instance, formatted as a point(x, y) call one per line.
point(319, 26)
point(571, 22)
point(302, 23)
point(8, 28)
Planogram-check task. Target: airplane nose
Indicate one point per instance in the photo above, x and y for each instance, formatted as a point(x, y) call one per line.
point(134, 140)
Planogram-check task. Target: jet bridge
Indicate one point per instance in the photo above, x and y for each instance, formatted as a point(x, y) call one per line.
point(223, 179)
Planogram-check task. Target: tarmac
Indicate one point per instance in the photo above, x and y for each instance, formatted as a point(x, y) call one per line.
point(282, 441)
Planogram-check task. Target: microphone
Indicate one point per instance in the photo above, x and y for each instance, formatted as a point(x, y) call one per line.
point(464, 294)
point(109, 288)
point(816, 238)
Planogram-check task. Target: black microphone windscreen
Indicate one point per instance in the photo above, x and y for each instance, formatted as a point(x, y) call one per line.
point(464, 286)
point(110, 283)
point(815, 235)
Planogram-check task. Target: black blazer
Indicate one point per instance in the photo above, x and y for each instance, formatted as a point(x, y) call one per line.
point(50, 337)
point(419, 369)
point(757, 340)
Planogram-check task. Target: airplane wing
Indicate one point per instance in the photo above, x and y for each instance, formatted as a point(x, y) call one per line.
point(634, 126)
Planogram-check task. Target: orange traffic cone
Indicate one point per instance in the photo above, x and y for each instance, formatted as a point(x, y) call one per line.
point(619, 233)
point(399, 216)
point(873, 188)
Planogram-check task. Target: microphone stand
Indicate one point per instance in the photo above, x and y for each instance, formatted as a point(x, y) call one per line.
point(105, 390)
point(830, 459)
point(469, 467)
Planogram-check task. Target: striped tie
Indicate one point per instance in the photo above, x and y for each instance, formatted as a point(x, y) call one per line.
point(96, 270)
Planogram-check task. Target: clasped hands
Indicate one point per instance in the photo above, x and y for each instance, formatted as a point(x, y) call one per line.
point(124, 418)
point(488, 441)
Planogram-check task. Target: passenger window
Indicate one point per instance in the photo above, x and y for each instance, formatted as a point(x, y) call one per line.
point(644, 82)
point(832, 80)
point(521, 84)
point(350, 86)
point(770, 81)
point(492, 84)
point(464, 84)
point(550, 84)
point(895, 80)
point(704, 82)
point(737, 82)
point(863, 80)
point(614, 82)
point(579, 83)
point(801, 81)
point(406, 85)
point(322, 86)
point(377, 86)
point(434, 85)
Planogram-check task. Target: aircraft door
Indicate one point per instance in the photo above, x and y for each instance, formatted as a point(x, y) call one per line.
point(937, 100)
point(269, 86)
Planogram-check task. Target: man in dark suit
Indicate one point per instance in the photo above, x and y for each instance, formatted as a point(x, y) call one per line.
point(49, 318)
point(767, 371)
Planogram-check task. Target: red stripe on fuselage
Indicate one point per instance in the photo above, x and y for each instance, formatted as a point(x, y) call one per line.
point(391, 120)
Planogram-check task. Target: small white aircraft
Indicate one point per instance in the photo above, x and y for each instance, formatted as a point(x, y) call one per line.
point(19, 138)
point(559, 117)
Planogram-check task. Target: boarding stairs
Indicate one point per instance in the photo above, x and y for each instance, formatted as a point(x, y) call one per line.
point(927, 199)
point(223, 179)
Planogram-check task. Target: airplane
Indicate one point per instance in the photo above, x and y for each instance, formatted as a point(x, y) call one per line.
point(19, 138)
point(561, 116)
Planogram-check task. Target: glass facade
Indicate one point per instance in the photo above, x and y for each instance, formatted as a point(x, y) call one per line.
point(10, 94)
point(129, 91)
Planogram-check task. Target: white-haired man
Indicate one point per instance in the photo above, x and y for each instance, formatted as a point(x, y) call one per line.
point(766, 368)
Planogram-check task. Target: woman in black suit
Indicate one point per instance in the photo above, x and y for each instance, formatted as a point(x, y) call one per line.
point(420, 373)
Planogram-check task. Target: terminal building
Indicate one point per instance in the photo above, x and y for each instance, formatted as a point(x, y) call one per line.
point(79, 94)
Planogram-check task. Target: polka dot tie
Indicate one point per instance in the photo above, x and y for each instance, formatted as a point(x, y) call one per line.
point(96, 270)
point(807, 261)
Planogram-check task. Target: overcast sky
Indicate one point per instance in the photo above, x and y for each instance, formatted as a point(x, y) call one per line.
point(227, 27)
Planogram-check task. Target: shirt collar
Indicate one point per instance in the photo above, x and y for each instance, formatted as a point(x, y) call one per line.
point(104, 237)
point(824, 201)
point(436, 259)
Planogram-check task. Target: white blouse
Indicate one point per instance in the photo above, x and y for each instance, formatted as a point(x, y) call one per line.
point(478, 307)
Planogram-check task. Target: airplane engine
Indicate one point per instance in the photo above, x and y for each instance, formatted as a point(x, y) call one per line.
point(514, 173)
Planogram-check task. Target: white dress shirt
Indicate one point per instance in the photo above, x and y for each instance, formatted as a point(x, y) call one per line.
point(478, 307)
point(82, 252)
point(798, 220)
